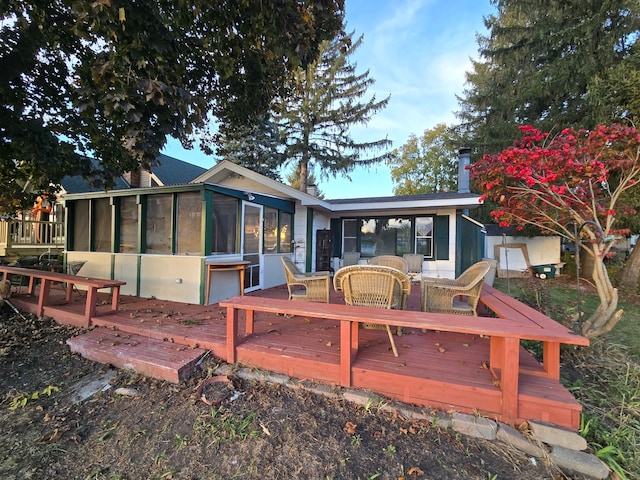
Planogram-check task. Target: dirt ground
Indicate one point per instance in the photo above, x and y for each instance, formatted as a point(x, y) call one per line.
point(158, 430)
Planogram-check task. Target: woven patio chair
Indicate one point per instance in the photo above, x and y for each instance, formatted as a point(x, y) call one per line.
point(414, 265)
point(374, 286)
point(350, 258)
point(392, 261)
point(310, 287)
point(459, 296)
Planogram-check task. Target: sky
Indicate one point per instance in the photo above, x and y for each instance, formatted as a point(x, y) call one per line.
point(417, 51)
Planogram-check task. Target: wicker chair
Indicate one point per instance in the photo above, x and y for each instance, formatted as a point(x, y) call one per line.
point(374, 286)
point(392, 261)
point(458, 296)
point(414, 265)
point(310, 287)
point(350, 258)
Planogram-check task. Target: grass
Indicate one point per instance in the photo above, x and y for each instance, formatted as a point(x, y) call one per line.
point(604, 377)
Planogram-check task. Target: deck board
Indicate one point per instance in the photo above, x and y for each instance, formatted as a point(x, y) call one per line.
point(309, 348)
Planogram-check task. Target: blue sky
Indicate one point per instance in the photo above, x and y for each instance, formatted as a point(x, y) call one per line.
point(416, 51)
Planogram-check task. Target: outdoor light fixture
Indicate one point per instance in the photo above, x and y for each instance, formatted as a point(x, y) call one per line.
point(250, 196)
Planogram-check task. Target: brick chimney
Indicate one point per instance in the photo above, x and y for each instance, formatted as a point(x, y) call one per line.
point(464, 160)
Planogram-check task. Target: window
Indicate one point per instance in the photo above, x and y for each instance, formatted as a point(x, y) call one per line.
point(159, 224)
point(385, 236)
point(424, 236)
point(225, 224)
point(270, 230)
point(188, 223)
point(286, 226)
point(350, 235)
point(128, 225)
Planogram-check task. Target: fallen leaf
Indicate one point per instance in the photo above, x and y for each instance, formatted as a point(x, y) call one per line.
point(350, 428)
point(415, 471)
point(329, 344)
point(265, 429)
point(442, 349)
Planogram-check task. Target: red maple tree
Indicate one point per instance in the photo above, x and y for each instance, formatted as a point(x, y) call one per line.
point(570, 185)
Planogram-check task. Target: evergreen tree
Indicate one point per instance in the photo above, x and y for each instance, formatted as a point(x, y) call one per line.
point(294, 181)
point(324, 102)
point(428, 164)
point(539, 63)
point(257, 146)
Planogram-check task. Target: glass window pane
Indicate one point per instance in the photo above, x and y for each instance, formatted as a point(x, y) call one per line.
point(101, 225)
point(81, 226)
point(270, 230)
point(225, 224)
point(159, 224)
point(349, 235)
point(128, 225)
point(385, 236)
point(285, 232)
point(189, 223)
point(424, 236)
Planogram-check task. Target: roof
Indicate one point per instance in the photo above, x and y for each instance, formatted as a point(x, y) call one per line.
point(77, 184)
point(168, 171)
point(422, 200)
point(171, 171)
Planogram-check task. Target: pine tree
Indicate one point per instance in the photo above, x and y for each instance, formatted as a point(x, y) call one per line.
point(325, 100)
point(257, 147)
point(539, 65)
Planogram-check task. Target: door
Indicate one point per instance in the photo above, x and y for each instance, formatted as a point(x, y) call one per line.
point(252, 245)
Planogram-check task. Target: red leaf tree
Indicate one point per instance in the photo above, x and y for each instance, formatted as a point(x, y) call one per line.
point(568, 184)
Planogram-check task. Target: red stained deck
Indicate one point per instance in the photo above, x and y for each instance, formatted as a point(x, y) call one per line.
point(434, 369)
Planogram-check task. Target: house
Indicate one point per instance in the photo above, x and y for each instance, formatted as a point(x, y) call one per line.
point(165, 240)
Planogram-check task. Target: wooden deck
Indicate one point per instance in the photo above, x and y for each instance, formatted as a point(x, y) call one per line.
point(445, 370)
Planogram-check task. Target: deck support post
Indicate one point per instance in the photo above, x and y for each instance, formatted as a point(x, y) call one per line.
point(232, 333)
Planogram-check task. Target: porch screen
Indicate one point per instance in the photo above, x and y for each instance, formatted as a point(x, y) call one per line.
point(225, 224)
point(189, 223)
point(81, 225)
point(128, 225)
point(101, 225)
point(159, 223)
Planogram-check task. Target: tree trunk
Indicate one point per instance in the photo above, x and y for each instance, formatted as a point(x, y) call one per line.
point(606, 316)
point(631, 272)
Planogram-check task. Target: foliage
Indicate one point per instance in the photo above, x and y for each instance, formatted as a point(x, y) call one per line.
point(256, 146)
point(113, 79)
point(546, 63)
point(567, 184)
point(294, 181)
point(324, 102)
point(428, 164)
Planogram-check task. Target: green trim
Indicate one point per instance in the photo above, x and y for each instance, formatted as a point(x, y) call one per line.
point(207, 222)
point(441, 237)
point(142, 223)
point(309, 246)
point(116, 222)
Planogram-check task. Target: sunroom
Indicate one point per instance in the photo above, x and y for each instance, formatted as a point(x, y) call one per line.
point(161, 240)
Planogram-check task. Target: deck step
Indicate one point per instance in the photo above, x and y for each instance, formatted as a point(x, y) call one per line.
point(147, 356)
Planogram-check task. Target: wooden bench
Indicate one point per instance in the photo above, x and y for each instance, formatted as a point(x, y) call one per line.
point(48, 277)
point(505, 333)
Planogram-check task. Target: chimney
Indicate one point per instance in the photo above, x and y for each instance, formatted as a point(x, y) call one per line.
point(312, 189)
point(132, 178)
point(464, 160)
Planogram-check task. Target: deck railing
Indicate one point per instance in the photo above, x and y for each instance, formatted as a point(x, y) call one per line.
point(21, 233)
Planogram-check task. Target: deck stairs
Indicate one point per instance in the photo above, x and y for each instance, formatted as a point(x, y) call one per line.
point(152, 357)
